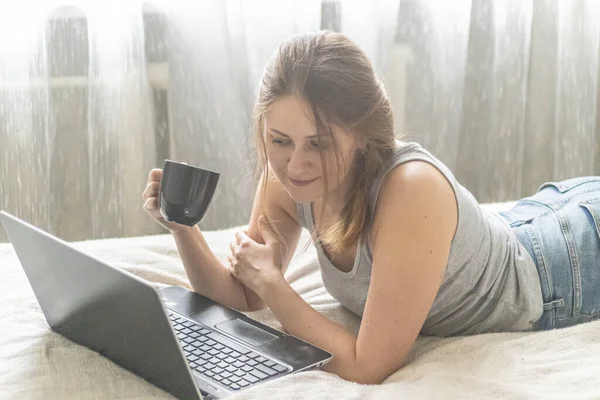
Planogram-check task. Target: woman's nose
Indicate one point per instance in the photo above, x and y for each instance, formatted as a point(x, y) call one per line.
point(298, 162)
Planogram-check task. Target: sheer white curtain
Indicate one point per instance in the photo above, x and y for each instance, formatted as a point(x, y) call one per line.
point(95, 94)
point(81, 127)
point(504, 92)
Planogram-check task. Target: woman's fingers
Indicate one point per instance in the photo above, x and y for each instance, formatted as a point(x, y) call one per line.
point(232, 248)
point(151, 190)
point(155, 175)
point(242, 239)
point(232, 264)
point(151, 203)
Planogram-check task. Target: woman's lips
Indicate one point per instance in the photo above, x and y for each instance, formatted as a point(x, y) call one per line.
point(302, 183)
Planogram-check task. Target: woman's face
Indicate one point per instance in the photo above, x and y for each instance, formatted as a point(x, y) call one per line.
point(293, 151)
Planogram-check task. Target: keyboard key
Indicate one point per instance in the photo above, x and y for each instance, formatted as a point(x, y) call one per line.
point(243, 358)
point(259, 374)
point(230, 360)
point(250, 378)
point(204, 331)
point(253, 355)
point(270, 363)
point(210, 342)
point(266, 370)
point(186, 331)
point(234, 386)
point(234, 378)
point(222, 356)
point(217, 370)
point(226, 350)
point(226, 374)
point(194, 335)
point(229, 343)
point(213, 352)
point(208, 373)
point(251, 363)
point(219, 346)
point(192, 357)
point(231, 368)
point(247, 368)
point(214, 360)
point(239, 372)
point(279, 368)
point(205, 356)
point(260, 359)
point(222, 364)
point(243, 383)
point(235, 354)
point(226, 382)
point(237, 364)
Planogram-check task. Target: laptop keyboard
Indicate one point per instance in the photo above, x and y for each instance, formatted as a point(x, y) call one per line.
point(220, 359)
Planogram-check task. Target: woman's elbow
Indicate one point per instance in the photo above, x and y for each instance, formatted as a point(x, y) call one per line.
point(367, 375)
point(369, 380)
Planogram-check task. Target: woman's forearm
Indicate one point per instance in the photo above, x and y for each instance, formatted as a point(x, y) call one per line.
point(298, 318)
point(207, 275)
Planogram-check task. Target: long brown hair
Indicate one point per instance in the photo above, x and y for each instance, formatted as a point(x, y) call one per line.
point(335, 77)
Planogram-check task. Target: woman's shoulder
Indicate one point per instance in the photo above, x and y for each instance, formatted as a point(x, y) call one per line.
point(415, 172)
point(416, 177)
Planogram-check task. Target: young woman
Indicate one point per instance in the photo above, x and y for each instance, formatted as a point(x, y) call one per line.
point(400, 242)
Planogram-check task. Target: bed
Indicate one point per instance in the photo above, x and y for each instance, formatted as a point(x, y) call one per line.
point(36, 363)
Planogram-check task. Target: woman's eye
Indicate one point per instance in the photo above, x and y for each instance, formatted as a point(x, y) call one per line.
point(321, 146)
point(279, 142)
point(313, 145)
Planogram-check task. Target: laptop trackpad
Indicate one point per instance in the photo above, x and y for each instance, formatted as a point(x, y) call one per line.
point(244, 331)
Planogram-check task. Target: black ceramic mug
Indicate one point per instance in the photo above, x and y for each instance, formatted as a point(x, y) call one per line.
point(185, 192)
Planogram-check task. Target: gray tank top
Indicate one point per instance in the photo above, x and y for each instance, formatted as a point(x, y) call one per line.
point(490, 284)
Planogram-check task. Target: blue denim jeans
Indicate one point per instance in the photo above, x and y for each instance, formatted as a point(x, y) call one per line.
point(560, 228)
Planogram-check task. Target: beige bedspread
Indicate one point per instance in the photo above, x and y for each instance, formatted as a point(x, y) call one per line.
point(36, 363)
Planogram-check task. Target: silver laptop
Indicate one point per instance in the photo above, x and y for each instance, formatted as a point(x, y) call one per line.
point(182, 342)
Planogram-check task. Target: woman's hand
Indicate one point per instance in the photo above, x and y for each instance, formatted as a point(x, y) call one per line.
point(150, 198)
point(257, 266)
